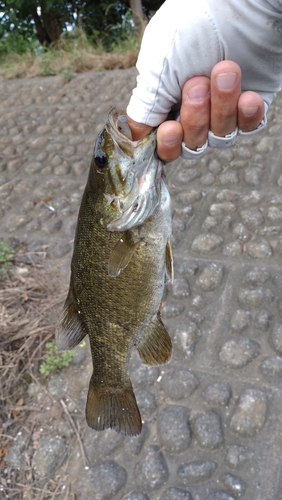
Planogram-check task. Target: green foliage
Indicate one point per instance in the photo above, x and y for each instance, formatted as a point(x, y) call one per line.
point(55, 360)
point(105, 22)
point(6, 256)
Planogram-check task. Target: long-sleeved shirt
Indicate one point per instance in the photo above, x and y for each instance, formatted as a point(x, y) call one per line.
point(186, 38)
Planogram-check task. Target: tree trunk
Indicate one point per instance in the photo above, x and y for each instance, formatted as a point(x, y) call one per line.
point(47, 27)
point(139, 17)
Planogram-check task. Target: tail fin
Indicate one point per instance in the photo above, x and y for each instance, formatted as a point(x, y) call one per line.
point(113, 407)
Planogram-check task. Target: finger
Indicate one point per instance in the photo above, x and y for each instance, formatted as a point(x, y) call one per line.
point(195, 111)
point(169, 139)
point(138, 130)
point(225, 92)
point(250, 111)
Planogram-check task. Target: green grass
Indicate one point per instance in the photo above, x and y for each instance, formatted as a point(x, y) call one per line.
point(6, 256)
point(54, 359)
point(73, 54)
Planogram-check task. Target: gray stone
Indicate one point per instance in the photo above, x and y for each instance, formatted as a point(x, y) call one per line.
point(180, 288)
point(208, 179)
point(253, 176)
point(250, 414)
point(151, 472)
point(233, 249)
point(108, 442)
point(189, 197)
point(229, 177)
point(178, 225)
point(262, 320)
point(58, 250)
point(274, 214)
point(199, 302)
point(185, 338)
point(279, 306)
point(174, 429)
point(234, 484)
point(241, 233)
point(259, 249)
point(146, 402)
point(206, 243)
point(172, 310)
point(102, 481)
point(208, 430)
point(257, 276)
point(265, 145)
point(196, 472)
point(210, 223)
point(188, 175)
point(227, 195)
point(272, 367)
point(144, 375)
point(238, 455)
point(187, 267)
point(255, 298)
point(134, 444)
point(219, 209)
point(196, 317)
point(136, 496)
point(178, 384)
point(215, 167)
point(240, 320)
point(252, 217)
point(49, 453)
point(218, 393)
point(14, 457)
point(238, 352)
point(211, 277)
point(277, 280)
point(276, 337)
point(219, 495)
point(176, 494)
point(57, 386)
point(52, 225)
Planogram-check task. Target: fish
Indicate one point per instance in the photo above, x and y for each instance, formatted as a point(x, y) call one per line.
point(121, 260)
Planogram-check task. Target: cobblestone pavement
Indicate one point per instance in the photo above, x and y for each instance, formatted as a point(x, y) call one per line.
point(212, 416)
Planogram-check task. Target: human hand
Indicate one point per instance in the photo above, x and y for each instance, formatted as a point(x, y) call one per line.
point(214, 103)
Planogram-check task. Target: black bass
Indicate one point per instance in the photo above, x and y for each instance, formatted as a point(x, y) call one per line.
point(121, 257)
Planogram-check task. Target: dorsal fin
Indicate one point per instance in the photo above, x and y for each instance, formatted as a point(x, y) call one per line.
point(69, 330)
point(155, 348)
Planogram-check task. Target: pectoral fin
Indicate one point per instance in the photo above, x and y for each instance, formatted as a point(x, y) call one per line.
point(155, 348)
point(69, 331)
point(121, 255)
point(169, 261)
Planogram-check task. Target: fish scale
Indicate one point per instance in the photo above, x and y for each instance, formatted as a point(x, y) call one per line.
point(118, 277)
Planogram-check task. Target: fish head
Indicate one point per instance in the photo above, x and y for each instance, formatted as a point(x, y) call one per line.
point(127, 175)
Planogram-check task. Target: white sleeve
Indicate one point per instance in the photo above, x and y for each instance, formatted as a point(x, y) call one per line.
point(187, 38)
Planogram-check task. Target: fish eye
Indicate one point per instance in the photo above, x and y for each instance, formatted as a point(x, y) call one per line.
point(101, 159)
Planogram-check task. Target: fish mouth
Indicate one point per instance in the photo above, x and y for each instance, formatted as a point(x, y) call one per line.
point(134, 175)
point(146, 200)
point(135, 215)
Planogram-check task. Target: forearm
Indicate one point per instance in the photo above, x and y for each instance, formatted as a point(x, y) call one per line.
point(184, 40)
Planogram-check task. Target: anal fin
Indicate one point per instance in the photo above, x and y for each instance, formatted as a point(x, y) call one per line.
point(69, 330)
point(113, 408)
point(156, 347)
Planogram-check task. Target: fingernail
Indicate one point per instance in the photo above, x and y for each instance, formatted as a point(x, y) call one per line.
point(198, 92)
point(226, 81)
point(249, 110)
point(171, 140)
